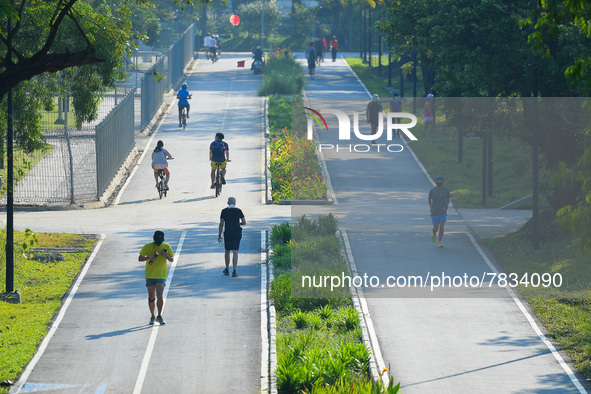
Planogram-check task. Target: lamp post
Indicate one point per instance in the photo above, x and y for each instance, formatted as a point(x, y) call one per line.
point(262, 24)
point(10, 295)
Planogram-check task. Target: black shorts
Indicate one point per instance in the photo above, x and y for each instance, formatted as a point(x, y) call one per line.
point(181, 106)
point(232, 240)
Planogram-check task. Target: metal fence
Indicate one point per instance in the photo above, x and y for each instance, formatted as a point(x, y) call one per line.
point(152, 92)
point(79, 162)
point(114, 141)
point(181, 53)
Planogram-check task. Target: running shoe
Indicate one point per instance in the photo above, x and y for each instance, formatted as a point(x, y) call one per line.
point(152, 319)
point(439, 244)
point(160, 320)
point(223, 181)
point(180, 125)
point(212, 187)
point(433, 238)
point(226, 271)
point(234, 273)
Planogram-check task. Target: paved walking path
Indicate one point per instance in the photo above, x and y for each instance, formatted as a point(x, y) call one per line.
point(212, 340)
point(430, 341)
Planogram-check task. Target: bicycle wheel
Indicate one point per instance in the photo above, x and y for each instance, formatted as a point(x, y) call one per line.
point(184, 120)
point(218, 183)
point(161, 188)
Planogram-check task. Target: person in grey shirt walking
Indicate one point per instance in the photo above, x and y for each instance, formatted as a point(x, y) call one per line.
point(439, 198)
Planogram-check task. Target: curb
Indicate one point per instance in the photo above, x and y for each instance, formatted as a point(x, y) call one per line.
point(272, 326)
point(115, 185)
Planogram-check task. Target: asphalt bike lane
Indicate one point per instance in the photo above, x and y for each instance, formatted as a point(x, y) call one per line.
point(212, 340)
point(433, 342)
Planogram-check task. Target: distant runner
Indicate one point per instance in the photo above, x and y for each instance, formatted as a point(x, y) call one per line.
point(156, 254)
point(439, 198)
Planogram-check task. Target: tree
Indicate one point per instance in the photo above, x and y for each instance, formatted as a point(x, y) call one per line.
point(480, 49)
point(554, 19)
point(250, 17)
point(302, 21)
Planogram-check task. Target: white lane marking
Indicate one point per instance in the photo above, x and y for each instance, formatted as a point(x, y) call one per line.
point(264, 318)
point(152, 341)
point(356, 77)
point(25, 375)
point(228, 101)
point(532, 322)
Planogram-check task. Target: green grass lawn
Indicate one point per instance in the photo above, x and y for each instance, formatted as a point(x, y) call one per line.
point(42, 286)
point(376, 83)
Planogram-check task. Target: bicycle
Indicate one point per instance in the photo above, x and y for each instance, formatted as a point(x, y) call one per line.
point(162, 187)
point(184, 117)
point(218, 180)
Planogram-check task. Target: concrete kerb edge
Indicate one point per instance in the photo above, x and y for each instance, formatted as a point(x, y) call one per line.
point(269, 190)
point(115, 183)
point(272, 324)
point(265, 334)
point(376, 362)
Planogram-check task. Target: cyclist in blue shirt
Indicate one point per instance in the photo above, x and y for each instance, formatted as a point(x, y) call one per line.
point(219, 152)
point(184, 96)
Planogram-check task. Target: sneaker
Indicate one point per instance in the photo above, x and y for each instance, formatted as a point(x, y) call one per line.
point(180, 125)
point(433, 238)
point(212, 187)
point(226, 271)
point(152, 319)
point(188, 116)
point(234, 274)
point(166, 186)
point(223, 181)
point(439, 244)
point(160, 320)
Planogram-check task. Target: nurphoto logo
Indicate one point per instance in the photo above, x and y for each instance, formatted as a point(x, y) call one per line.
point(345, 133)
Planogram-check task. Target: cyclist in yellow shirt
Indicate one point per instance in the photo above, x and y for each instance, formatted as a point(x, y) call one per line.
point(156, 254)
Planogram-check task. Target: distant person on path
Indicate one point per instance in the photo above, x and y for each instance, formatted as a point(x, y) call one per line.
point(429, 116)
point(160, 162)
point(212, 47)
point(183, 96)
point(257, 55)
point(206, 44)
point(319, 47)
point(311, 57)
point(324, 47)
point(372, 113)
point(156, 254)
point(219, 152)
point(396, 106)
point(232, 219)
point(439, 198)
point(334, 46)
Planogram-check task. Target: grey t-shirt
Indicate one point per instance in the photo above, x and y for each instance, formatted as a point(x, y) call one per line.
point(438, 198)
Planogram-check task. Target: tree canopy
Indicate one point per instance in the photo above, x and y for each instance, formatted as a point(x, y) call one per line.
point(552, 20)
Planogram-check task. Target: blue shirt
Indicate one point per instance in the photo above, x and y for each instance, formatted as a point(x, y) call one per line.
point(183, 95)
point(218, 150)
